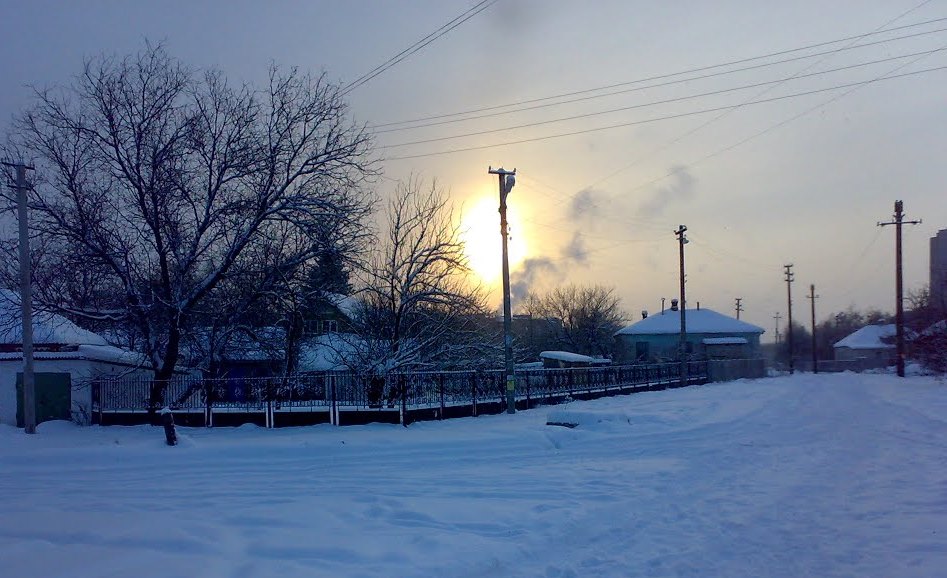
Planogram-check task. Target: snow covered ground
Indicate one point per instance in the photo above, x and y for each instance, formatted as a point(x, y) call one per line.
point(829, 475)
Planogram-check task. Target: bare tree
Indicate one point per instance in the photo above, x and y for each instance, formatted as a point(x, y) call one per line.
point(584, 318)
point(418, 308)
point(158, 184)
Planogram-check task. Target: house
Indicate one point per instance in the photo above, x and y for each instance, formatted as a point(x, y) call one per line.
point(563, 359)
point(710, 335)
point(66, 358)
point(874, 343)
point(332, 313)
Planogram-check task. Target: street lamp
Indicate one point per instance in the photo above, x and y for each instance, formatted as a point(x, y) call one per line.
point(506, 180)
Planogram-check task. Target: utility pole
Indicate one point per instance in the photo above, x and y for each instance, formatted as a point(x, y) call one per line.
point(790, 277)
point(682, 240)
point(812, 297)
point(506, 179)
point(777, 317)
point(899, 297)
point(739, 306)
point(26, 297)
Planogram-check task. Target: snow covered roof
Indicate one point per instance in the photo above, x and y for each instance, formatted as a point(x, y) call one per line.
point(724, 341)
point(103, 353)
point(327, 352)
point(47, 327)
point(698, 321)
point(347, 304)
point(568, 356)
point(870, 337)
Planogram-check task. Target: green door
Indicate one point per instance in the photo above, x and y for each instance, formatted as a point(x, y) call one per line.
point(53, 397)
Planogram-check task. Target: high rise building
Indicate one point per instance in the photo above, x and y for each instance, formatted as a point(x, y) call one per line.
point(938, 279)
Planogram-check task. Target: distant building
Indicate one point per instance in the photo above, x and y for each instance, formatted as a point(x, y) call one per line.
point(938, 280)
point(710, 335)
point(66, 358)
point(872, 343)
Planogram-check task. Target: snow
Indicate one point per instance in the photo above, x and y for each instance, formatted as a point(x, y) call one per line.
point(571, 357)
point(804, 475)
point(724, 341)
point(870, 337)
point(698, 321)
point(47, 327)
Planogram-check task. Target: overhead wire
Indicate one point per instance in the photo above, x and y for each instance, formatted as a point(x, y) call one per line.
point(420, 44)
point(688, 71)
point(660, 102)
point(380, 130)
point(666, 117)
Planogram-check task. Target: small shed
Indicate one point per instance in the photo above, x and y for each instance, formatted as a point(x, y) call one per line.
point(872, 342)
point(66, 358)
point(710, 335)
point(563, 359)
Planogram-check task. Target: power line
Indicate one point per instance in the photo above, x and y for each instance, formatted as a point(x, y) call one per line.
point(660, 102)
point(444, 29)
point(627, 90)
point(689, 71)
point(853, 85)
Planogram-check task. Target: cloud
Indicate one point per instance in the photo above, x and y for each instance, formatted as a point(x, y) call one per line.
point(524, 280)
point(583, 205)
point(681, 188)
point(576, 250)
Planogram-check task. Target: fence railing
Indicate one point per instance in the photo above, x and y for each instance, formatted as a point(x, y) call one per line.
point(406, 396)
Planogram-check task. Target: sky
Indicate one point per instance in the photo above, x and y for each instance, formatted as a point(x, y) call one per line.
point(797, 178)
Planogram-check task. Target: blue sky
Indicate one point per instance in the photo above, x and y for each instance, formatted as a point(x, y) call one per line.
point(601, 206)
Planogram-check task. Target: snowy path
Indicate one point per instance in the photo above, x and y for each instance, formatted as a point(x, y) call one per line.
point(807, 476)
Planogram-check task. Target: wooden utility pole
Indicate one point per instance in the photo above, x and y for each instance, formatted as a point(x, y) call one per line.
point(26, 298)
point(790, 277)
point(812, 297)
point(739, 306)
point(898, 284)
point(682, 240)
point(507, 179)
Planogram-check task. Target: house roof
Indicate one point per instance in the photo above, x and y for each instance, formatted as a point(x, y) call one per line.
point(346, 304)
point(869, 337)
point(47, 327)
point(698, 321)
point(102, 353)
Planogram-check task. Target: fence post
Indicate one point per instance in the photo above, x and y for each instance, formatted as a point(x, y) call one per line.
point(527, 376)
point(440, 384)
point(208, 403)
point(333, 408)
point(474, 378)
point(403, 386)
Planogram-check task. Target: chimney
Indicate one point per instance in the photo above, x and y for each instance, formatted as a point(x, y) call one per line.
point(698, 305)
point(644, 313)
point(662, 305)
point(673, 304)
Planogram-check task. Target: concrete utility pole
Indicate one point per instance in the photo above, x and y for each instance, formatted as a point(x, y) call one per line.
point(739, 306)
point(682, 240)
point(898, 284)
point(507, 179)
point(777, 317)
point(812, 297)
point(26, 297)
point(790, 277)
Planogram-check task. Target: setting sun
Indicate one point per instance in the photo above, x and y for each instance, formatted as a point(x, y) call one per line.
point(481, 235)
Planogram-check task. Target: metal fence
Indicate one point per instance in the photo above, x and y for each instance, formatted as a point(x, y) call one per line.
point(343, 398)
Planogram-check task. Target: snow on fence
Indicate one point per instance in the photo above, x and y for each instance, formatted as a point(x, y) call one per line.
point(343, 398)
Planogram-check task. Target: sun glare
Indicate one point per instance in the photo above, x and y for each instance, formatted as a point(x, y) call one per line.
point(482, 242)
